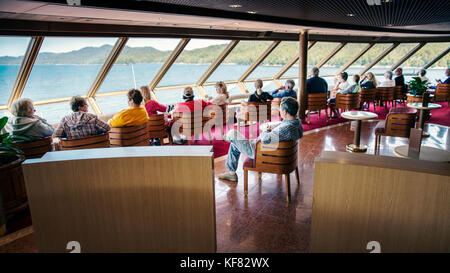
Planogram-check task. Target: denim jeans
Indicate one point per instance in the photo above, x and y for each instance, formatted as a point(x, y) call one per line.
point(238, 144)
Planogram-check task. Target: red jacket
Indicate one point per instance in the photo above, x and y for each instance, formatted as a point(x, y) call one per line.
point(191, 106)
point(153, 106)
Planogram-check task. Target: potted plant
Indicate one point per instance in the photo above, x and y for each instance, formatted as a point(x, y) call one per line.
point(417, 87)
point(11, 159)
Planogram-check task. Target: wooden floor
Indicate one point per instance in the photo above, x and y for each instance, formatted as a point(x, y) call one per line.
point(264, 222)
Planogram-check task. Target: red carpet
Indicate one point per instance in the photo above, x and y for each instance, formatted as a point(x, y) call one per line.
point(220, 147)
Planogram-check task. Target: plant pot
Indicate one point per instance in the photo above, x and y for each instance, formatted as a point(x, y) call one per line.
point(410, 98)
point(12, 185)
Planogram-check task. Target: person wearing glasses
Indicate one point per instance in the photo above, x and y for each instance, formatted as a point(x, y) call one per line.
point(80, 123)
point(24, 122)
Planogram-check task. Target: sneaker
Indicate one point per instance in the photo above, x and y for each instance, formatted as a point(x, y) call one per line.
point(179, 141)
point(230, 176)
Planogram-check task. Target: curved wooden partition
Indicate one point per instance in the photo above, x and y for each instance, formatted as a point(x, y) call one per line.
point(100, 141)
point(127, 199)
point(129, 136)
point(36, 148)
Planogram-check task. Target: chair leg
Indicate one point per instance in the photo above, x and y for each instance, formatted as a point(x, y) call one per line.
point(259, 176)
point(297, 175)
point(309, 114)
point(161, 140)
point(210, 137)
point(288, 188)
point(376, 145)
point(245, 182)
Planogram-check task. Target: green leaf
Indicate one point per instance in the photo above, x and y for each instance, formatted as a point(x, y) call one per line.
point(3, 122)
point(12, 148)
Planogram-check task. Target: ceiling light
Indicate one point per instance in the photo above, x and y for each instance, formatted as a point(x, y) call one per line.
point(251, 11)
point(235, 6)
point(350, 14)
point(389, 25)
point(237, 24)
point(160, 18)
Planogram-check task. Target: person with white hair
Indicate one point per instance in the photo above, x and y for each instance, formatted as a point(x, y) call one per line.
point(286, 91)
point(25, 123)
point(388, 81)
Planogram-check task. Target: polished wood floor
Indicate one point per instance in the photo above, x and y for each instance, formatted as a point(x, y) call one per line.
point(264, 222)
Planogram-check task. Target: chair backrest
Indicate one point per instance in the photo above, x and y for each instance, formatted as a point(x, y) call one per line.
point(367, 94)
point(347, 101)
point(316, 101)
point(129, 136)
point(190, 122)
point(280, 158)
point(399, 124)
point(442, 92)
point(385, 93)
point(97, 141)
point(398, 93)
point(156, 126)
point(223, 112)
point(35, 148)
point(275, 107)
point(250, 111)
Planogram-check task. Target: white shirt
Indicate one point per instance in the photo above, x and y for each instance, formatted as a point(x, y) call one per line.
point(221, 99)
point(343, 86)
point(387, 83)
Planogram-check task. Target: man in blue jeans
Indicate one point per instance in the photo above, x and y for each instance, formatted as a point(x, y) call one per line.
point(290, 129)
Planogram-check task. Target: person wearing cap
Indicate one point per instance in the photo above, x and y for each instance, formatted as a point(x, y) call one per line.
point(133, 116)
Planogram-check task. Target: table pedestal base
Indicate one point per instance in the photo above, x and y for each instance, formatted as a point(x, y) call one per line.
point(356, 149)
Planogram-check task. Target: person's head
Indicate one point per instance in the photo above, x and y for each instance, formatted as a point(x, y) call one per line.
point(398, 71)
point(258, 84)
point(388, 75)
point(288, 108)
point(371, 78)
point(447, 72)
point(343, 76)
point(78, 104)
point(422, 72)
point(188, 94)
point(134, 98)
point(23, 108)
point(315, 72)
point(221, 88)
point(146, 93)
point(289, 84)
point(356, 78)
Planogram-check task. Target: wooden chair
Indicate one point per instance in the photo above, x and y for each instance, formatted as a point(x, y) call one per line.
point(275, 107)
point(157, 128)
point(347, 102)
point(190, 125)
point(36, 148)
point(96, 141)
point(398, 123)
point(279, 158)
point(317, 102)
point(129, 136)
point(255, 112)
point(367, 96)
point(442, 93)
point(223, 116)
point(385, 94)
point(399, 95)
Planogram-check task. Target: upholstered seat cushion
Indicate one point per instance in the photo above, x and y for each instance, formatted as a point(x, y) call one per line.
point(380, 127)
point(249, 163)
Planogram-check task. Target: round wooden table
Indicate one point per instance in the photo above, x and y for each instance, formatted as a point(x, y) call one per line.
point(426, 153)
point(421, 108)
point(356, 147)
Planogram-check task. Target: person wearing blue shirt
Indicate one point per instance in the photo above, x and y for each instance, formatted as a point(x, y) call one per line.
point(447, 73)
point(286, 91)
point(316, 84)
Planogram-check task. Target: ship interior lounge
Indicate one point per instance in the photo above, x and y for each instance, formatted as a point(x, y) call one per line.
point(225, 126)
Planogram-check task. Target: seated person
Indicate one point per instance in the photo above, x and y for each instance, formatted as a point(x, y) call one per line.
point(400, 79)
point(133, 116)
point(25, 123)
point(388, 81)
point(259, 95)
point(290, 129)
point(341, 84)
point(81, 123)
point(316, 84)
point(447, 73)
point(222, 95)
point(354, 88)
point(422, 74)
point(152, 106)
point(369, 81)
point(285, 91)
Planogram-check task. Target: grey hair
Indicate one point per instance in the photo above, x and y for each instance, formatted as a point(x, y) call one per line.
point(258, 84)
point(290, 84)
point(389, 74)
point(315, 71)
point(21, 107)
point(290, 105)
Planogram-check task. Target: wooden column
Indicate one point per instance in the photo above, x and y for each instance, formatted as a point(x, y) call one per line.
point(302, 64)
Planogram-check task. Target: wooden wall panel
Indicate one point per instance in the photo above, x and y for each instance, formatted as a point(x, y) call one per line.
point(404, 210)
point(123, 204)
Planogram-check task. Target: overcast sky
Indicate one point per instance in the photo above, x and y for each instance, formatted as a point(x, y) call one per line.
point(16, 46)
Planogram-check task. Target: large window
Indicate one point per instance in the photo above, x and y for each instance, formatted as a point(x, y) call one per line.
point(12, 50)
point(112, 104)
point(238, 61)
point(138, 63)
point(54, 112)
point(195, 59)
point(66, 67)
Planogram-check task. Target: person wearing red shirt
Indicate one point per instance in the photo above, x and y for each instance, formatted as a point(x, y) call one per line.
point(152, 106)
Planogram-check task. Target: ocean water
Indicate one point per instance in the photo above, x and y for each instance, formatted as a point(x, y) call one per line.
point(56, 81)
